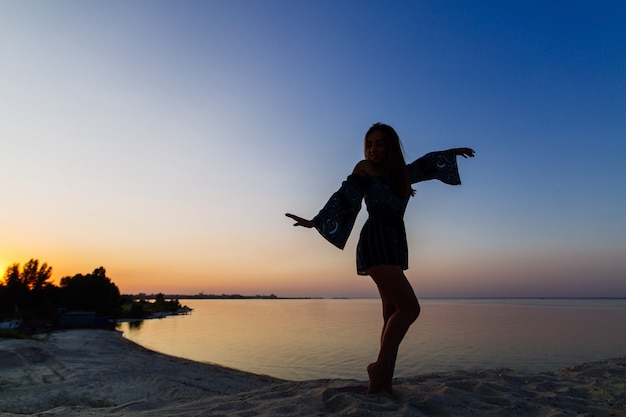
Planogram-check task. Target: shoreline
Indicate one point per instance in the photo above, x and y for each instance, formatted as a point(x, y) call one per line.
point(98, 372)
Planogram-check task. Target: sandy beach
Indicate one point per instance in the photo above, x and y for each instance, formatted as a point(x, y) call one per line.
point(98, 372)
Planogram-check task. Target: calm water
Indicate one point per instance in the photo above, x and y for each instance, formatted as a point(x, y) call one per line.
point(315, 339)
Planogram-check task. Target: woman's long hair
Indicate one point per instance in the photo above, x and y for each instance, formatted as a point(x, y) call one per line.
point(393, 164)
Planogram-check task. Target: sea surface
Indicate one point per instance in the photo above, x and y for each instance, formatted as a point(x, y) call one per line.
point(336, 338)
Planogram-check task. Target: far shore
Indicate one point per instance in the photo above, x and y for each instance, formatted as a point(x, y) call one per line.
point(275, 297)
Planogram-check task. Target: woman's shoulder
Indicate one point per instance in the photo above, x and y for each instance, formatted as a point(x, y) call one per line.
point(366, 168)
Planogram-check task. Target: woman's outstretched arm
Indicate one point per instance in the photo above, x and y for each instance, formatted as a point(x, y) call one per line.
point(363, 168)
point(300, 221)
point(464, 152)
point(438, 165)
point(336, 219)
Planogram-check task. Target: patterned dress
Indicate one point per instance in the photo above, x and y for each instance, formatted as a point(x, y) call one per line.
point(383, 238)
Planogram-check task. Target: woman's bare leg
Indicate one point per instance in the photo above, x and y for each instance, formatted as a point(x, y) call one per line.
point(400, 310)
point(388, 309)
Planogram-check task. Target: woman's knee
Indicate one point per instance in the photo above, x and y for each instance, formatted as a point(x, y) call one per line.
point(413, 310)
point(396, 292)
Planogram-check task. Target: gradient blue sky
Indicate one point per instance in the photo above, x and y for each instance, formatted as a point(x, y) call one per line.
point(164, 140)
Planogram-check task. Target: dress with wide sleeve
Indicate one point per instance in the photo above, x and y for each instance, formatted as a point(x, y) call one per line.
point(439, 165)
point(336, 219)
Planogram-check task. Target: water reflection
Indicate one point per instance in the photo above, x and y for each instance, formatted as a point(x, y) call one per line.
point(310, 339)
point(135, 325)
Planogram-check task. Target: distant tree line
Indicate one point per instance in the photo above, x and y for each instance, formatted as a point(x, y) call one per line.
point(202, 296)
point(140, 308)
point(27, 291)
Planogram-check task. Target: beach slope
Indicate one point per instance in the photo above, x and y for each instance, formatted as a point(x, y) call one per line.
point(99, 373)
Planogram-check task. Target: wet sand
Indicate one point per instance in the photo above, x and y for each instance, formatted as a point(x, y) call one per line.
point(99, 373)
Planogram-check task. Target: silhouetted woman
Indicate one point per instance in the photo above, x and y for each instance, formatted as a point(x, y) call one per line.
point(384, 180)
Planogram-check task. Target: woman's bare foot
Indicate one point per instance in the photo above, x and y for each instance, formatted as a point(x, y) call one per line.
point(377, 379)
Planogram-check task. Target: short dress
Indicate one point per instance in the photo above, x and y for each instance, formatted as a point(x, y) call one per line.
point(383, 238)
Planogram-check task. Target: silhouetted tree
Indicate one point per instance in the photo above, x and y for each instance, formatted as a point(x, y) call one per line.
point(159, 301)
point(91, 292)
point(34, 276)
point(12, 275)
point(13, 292)
point(29, 292)
point(27, 289)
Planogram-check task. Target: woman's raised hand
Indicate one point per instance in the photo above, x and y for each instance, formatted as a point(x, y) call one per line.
point(300, 221)
point(464, 152)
